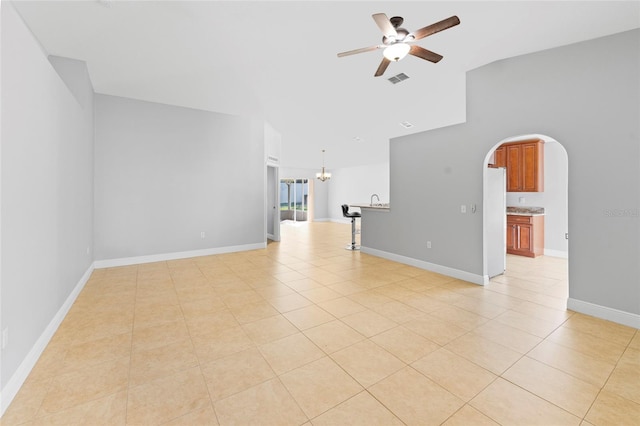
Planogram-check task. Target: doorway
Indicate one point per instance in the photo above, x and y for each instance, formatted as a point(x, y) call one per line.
point(554, 200)
point(273, 202)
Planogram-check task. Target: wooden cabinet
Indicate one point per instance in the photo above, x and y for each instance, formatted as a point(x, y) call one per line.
point(525, 235)
point(524, 162)
point(500, 157)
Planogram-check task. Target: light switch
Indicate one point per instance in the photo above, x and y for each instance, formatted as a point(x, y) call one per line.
point(463, 208)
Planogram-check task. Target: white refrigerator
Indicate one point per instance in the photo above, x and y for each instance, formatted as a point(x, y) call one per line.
point(496, 221)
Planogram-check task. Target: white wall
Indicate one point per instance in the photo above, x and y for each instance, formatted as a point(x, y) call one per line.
point(47, 194)
point(165, 174)
point(355, 185)
point(592, 109)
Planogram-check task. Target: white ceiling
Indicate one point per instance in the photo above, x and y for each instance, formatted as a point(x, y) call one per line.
point(278, 60)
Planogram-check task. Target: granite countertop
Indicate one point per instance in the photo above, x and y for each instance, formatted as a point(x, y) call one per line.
point(525, 211)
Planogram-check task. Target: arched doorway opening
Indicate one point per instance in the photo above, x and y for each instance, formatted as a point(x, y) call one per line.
point(552, 265)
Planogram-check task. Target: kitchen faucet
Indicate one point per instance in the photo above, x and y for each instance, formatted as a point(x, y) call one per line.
point(374, 195)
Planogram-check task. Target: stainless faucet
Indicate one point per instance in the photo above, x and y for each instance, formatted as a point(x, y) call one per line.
point(374, 195)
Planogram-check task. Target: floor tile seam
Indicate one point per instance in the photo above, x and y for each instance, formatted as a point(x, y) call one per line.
point(284, 386)
point(365, 390)
point(425, 377)
point(542, 339)
point(343, 323)
point(323, 354)
point(204, 380)
point(561, 343)
point(468, 404)
point(604, 385)
point(38, 416)
point(362, 388)
point(474, 362)
point(405, 364)
point(466, 311)
point(38, 410)
point(496, 376)
point(546, 336)
point(581, 417)
point(626, 345)
point(128, 387)
point(547, 340)
point(600, 388)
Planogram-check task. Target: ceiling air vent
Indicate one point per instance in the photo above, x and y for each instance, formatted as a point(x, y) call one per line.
point(398, 78)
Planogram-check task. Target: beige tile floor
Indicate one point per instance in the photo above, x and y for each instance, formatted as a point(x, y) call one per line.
point(305, 332)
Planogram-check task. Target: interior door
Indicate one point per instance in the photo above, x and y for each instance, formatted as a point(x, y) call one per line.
point(273, 204)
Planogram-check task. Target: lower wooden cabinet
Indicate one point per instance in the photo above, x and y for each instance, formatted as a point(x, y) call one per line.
point(525, 235)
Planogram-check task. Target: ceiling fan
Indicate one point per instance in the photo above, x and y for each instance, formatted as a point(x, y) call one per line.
point(395, 40)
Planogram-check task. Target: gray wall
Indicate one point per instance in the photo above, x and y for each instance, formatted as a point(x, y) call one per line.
point(587, 97)
point(164, 174)
point(47, 187)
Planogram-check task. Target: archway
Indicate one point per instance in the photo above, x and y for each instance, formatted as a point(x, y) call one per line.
point(554, 200)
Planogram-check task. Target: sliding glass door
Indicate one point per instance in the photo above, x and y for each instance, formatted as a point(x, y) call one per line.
point(294, 199)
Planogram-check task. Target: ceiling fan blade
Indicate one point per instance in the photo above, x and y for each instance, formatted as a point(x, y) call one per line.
point(385, 25)
point(423, 53)
point(382, 67)
point(361, 50)
point(437, 27)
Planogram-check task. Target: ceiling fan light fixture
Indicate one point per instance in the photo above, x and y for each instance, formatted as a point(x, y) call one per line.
point(396, 51)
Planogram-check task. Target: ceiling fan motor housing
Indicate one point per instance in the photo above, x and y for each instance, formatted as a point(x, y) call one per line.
point(395, 40)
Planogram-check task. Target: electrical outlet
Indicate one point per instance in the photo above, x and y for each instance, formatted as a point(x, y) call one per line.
point(566, 235)
point(5, 337)
point(202, 234)
point(428, 244)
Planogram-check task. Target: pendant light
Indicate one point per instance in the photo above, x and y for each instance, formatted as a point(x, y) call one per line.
point(323, 175)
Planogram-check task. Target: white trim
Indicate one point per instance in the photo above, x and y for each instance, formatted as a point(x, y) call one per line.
point(603, 312)
point(556, 253)
point(125, 261)
point(445, 270)
point(17, 379)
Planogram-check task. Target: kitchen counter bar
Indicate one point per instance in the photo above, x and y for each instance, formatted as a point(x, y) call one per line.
point(380, 206)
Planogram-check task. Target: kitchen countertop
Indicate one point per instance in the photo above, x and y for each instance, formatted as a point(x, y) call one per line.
point(525, 211)
point(374, 206)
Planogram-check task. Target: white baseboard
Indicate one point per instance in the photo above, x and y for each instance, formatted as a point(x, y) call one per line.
point(444, 270)
point(125, 261)
point(556, 253)
point(17, 379)
point(603, 312)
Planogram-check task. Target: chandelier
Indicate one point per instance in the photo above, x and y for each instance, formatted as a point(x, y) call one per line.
point(323, 175)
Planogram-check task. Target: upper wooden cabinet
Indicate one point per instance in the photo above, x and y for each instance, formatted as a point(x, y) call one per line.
point(524, 161)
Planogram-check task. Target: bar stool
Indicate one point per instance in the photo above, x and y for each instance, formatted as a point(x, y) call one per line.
point(352, 216)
